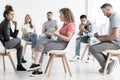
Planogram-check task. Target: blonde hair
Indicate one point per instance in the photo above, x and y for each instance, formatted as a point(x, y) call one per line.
point(31, 23)
point(68, 15)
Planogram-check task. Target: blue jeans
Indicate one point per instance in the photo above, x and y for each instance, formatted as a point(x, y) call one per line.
point(31, 38)
point(47, 37)
point(78, 45)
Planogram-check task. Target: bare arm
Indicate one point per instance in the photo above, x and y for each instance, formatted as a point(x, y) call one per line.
point(82, 28)
point(65, 38)
point(99, 36)
point(111, 37)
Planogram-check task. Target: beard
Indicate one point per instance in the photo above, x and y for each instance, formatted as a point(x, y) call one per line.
point(108, 15)
point(49, 19)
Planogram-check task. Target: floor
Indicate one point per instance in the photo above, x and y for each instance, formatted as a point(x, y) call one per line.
point(80, 70)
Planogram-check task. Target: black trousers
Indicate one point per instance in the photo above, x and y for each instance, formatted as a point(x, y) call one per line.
point(15, 43)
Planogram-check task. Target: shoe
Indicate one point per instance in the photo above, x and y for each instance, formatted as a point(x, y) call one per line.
point(75, 58)
point(23, 60)
point(36, 73)
point(101, 70)
point(34, 67)
point(20, 68)
point(111, 66)
point(88, 60)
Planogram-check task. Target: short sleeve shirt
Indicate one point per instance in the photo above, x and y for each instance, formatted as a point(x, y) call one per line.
point(50, 26)
point(114, 23)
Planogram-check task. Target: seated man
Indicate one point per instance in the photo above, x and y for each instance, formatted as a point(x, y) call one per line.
point(49, 27)
point(108, 42)
point(84, 35)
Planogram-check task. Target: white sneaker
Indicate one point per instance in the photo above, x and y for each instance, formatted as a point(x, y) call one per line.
point(75, 58)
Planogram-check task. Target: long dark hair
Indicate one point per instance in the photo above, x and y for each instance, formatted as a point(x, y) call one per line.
point(8, 9)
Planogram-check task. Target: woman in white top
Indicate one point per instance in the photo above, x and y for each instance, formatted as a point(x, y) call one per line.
point(29, 33)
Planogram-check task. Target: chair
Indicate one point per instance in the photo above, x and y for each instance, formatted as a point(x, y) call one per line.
point(61, 54)
point(111, 53)
point(92, 41)
point(84, 51)
point(26, 43)
point(25, 46)
point(6, 52)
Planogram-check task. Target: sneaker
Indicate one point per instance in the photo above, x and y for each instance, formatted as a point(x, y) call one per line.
point(20, 68)
point(88, 60)
point(111, 66)
point(36, 73)
point(34, 67)
point(101, 70)
point(75, 58)
point(23, 60)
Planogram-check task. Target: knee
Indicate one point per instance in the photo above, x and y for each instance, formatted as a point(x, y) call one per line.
point(92, 49)
point(19, 41)
point(35, 35)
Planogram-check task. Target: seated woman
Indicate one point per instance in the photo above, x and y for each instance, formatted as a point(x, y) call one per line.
point(9, 37)
point(29, 33)
point(64, 36)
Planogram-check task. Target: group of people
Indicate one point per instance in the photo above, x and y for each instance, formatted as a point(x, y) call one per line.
point(59, 39)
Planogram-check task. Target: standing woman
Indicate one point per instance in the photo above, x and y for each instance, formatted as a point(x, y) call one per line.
point(29, 33)
point(64, 36)
point(8, 37)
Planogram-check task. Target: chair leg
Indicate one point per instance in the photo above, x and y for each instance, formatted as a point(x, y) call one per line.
point(4, 62)
point(24, 49)
point(67, 64)
point(51, 64)
point(84, 52)
point(107, 62)
point(12, 62)
point(48, 64)
point(64, 65)
point(0, 57)
point(119, 58)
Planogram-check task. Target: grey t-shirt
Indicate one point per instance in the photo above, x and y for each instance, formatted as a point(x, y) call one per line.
point(114, 22)
point(50, 26)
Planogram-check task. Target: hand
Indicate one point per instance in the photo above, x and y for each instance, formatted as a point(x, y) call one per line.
point(97, 35)
point(56, 33)
point(82, 27)
point(15, 23)
point(101, 39)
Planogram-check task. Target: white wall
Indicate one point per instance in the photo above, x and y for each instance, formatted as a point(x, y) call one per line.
point(39, 8)
point(95, 13)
